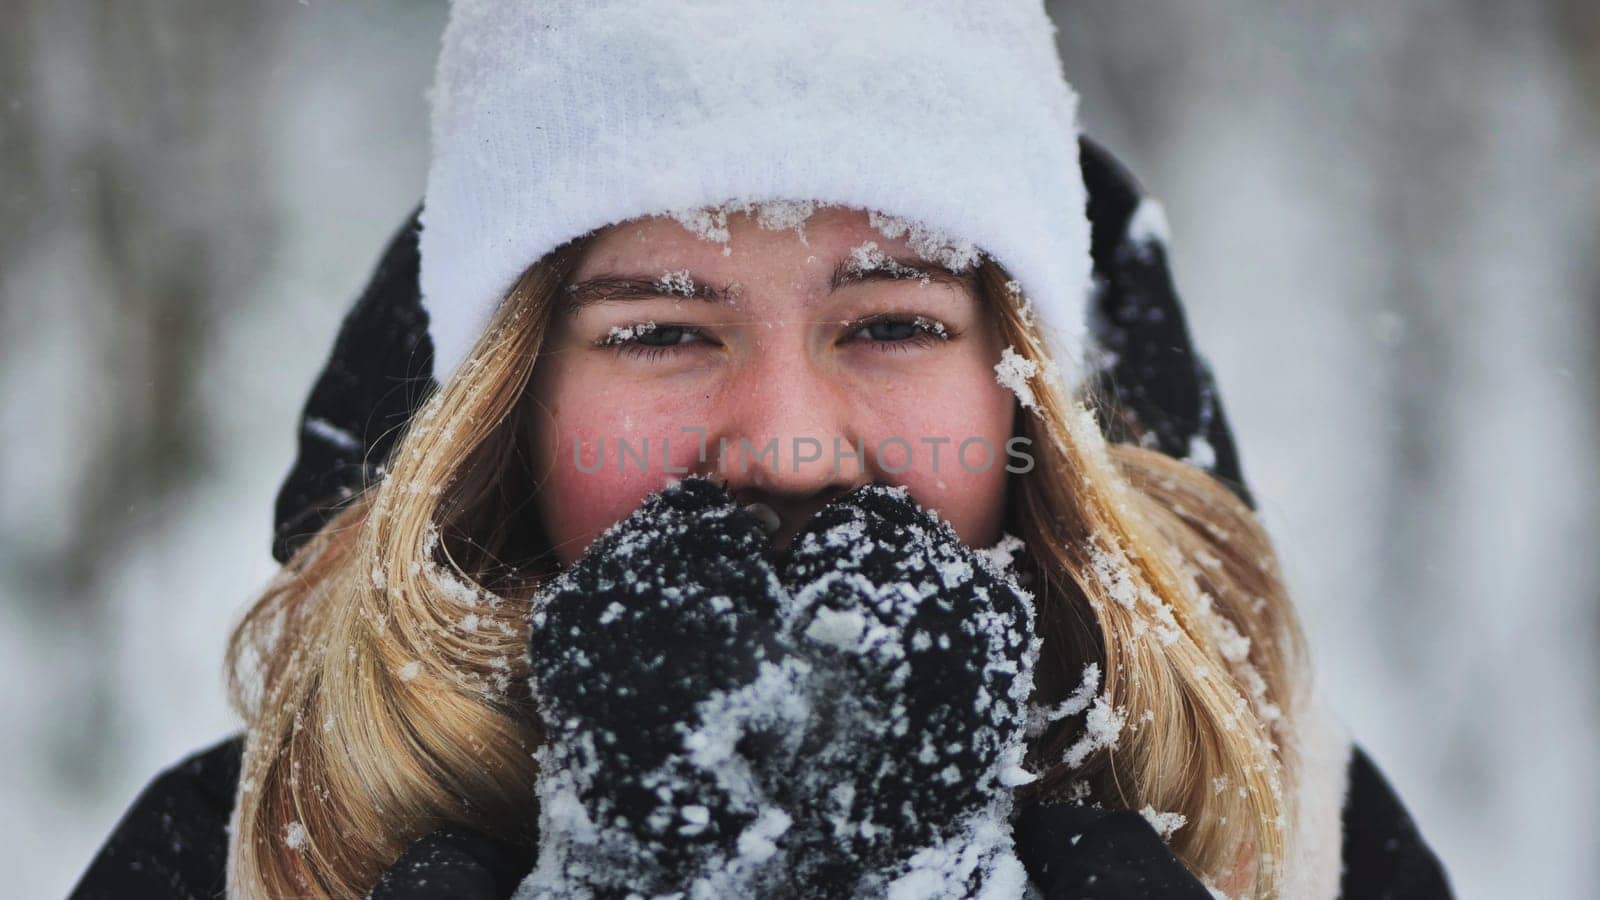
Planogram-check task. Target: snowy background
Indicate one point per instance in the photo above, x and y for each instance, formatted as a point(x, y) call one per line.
point(1385, 221)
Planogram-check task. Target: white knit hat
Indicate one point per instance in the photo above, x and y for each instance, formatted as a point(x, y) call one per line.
point(552, 118)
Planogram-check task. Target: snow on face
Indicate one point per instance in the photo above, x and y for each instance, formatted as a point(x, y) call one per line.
point(755, 324)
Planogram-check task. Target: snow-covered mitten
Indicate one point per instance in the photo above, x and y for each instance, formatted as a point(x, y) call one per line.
point(669, 613)
point(922, 652)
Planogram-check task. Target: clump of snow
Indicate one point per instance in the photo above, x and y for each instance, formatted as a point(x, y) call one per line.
point(1012, 771)
point(697, 818)
point(841, 629)
point(710, 223)
point(618, 334)
point(1013, 371)
point(953, 253)
point(982, 855)
point(409, 671)
point(1003, 554)
point(1152, 614)
point(1233, 646)
point(868, 257)
point(1102, 729)
point(340, 438)
point(757, 842)
point(1165, 823)
point(1026, 311)
point(678, 282)
point(448, 583)
point(1040, 718)
point(1148, 224)
point(294, 836)
point(1200, 453)
point(777, 215)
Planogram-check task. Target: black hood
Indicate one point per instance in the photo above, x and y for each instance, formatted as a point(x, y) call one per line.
point(381, 366)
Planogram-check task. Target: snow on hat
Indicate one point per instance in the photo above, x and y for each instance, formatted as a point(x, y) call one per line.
point(951, 119)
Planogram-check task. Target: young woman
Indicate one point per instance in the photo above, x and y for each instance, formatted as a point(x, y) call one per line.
point(536, 538)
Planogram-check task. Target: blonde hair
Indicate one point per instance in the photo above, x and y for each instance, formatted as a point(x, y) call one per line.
point(382, 675)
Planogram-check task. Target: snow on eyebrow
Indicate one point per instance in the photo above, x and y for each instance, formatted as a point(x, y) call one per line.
point(868, 257)
point(676, 282)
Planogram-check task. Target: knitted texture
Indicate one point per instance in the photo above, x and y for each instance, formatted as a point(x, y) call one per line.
point(554, 118)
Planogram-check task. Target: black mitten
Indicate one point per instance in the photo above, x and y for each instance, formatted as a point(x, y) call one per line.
point(922, 657)
point(645, 660)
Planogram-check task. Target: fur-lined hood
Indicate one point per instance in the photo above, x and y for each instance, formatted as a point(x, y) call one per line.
point(1352, 837)
point(381, 368)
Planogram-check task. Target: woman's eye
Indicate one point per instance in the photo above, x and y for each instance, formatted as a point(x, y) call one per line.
point(901, 332)
point(648, 339)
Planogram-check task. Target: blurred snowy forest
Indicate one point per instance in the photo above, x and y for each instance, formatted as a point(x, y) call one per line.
point(1385, 220)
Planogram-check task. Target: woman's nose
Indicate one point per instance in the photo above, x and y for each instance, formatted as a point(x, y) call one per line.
point(792, 442)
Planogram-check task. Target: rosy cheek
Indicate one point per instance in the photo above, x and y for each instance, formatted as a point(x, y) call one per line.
point(966, 486)
point(972, 501)
point(586, 490)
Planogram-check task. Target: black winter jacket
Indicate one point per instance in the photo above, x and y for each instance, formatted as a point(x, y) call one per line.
point(172, 843)
point(1353, 839)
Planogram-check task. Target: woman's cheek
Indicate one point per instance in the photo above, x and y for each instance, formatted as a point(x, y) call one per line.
point(602, 469)
point(958, 453)
point(973, 501)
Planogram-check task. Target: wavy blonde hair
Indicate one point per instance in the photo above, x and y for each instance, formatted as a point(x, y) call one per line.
point(382, 674)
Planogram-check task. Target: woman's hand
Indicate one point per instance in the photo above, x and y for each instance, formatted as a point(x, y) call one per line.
point(820, 723)
point(922, 659)
point(637, 652)
point(809, 724)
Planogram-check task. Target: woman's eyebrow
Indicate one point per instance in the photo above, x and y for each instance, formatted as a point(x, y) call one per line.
point(850, 270)
point(881, 267)
point(622, 288)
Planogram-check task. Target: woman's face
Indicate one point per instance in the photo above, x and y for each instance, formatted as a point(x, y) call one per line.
point(767, 367)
